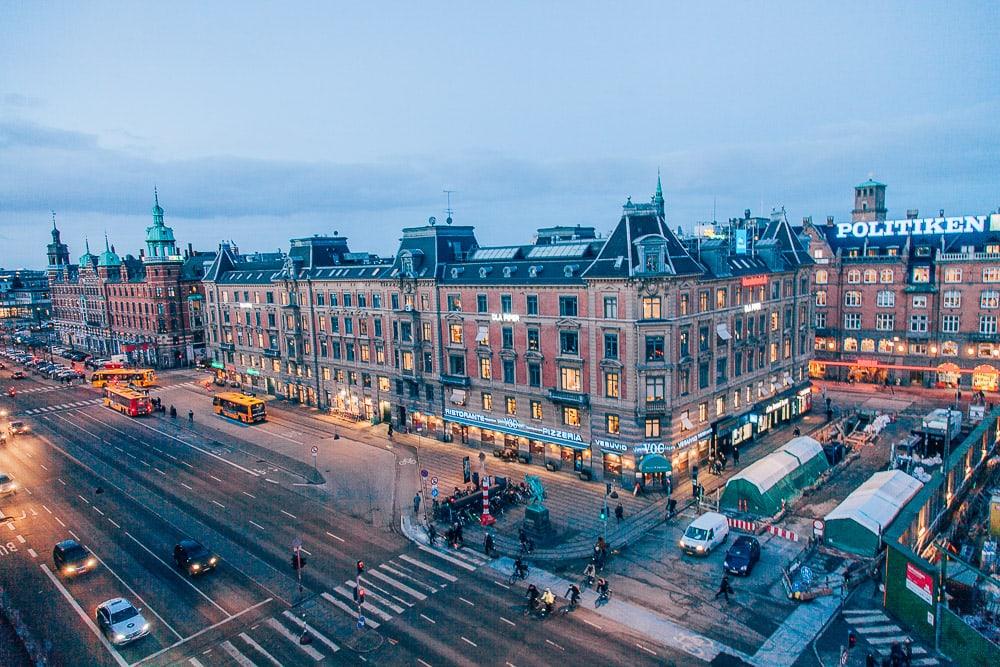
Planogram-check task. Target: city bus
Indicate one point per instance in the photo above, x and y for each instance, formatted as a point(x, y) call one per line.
point(127, 401)
point(138, 377)
point(248, 409)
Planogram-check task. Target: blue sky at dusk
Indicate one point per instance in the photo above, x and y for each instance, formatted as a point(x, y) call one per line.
point(262, 121)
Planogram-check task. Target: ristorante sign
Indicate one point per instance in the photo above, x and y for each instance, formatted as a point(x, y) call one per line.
point(515, 427)
point(923, 226)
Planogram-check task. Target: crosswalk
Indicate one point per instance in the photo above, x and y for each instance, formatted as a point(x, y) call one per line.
point(39, 390)
point(878, 630)
point(391, 589)
point(63, 406)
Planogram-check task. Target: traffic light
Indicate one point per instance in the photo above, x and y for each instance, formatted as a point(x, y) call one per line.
point(604, 514)
point(298, 561)
point(607, 489)
point(361, 566)
point(852, 639)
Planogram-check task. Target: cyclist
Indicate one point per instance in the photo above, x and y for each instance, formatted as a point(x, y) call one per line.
point(520, 569)
point(532, 596)
point(589, 574)
point(603, 590)
point(549, 600)
point(573, 595)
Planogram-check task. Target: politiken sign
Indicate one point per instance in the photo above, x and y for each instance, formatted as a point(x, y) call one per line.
point(922, 226)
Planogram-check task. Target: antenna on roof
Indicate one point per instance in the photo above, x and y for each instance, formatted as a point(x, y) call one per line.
point(448, 210)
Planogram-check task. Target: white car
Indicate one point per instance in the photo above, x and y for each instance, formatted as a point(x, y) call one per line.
point(7, 484)
point(120, 622)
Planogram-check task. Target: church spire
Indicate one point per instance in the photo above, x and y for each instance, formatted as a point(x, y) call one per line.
point(157, 210)
point(658, 197)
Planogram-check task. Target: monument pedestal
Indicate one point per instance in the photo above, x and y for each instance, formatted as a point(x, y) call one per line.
point(536, 519)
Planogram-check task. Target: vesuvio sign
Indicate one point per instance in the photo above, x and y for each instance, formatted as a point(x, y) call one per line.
point(925, 226)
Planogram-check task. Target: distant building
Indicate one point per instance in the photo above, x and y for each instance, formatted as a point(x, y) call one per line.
point(24, 298)
point(909, 301)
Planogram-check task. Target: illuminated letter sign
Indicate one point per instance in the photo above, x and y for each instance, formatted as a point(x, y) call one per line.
point(921, 226)
point(753, 281)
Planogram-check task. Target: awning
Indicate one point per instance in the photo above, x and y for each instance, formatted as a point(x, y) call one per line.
point(948, 368)
point(483, 334)
point(686, 423)
point(723, 331)
point(458, 396)
point(787, 379)
point(654, 463)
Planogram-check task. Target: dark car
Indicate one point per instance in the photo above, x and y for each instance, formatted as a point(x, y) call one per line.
point(194, 558)
point(17, 375)
point(72, 558)
point(742, 556)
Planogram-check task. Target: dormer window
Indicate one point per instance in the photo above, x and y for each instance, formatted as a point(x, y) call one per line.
point(652, 251)
point(406, 263)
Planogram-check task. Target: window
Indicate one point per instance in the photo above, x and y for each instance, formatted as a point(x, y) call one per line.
point(952, 299)
point(921, 274)
point(950, 323)
point(885, 345)
point(511, 404)
point(703, 412)
point(652, 427)
point(533, 339)
point(570, 416)
point(455, 333)
point(852, 321)
point(850, 345)
point(991, 275)
point(822, 278)
point(506, 305)
point(651, 308)
point(852, 299)
point(655, 385)
point(684, 304)
point(720, 404)
point(853, 276)
point(918, 323)
point(869, 276)
point(347, 300)
point(703, 301)
point(569, 342)
point(919, 301)
point(611, 308)
point(536, 409)
point(918, 348)
point(989, 299)
point(507, 338)
point(570, 379)
point(427, 332)
point(567, 306)
point(531, 304)
point(821, 297)
point(953, 275)
point(456, 364)
point(885, 276)
point(988, 324)
point(819, 319)
point(407, 358)
point(428, 359)
point(721, 297)
point(611, 423)
point(481, 304)
point(703, 375)
point(611, 385)
point(721, 365)
point(867, 345)
point(885, 321)
point(949, 348)
point(485, 368)
point(654, 348)
point(610, 345)
point(508, 371)
point(454, 303)
point(534, 374)
point(885, 299)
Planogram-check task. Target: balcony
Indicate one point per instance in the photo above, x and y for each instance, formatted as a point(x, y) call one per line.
point(274, 353)
point(455, 380)
point(921, 288)
point(655, 407)
point(227, 347)
point(570, 398)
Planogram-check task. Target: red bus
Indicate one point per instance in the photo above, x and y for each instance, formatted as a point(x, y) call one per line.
point(127, 401)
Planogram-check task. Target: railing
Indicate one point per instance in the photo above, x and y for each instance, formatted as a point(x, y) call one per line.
point(569, 398)
point(967, 256)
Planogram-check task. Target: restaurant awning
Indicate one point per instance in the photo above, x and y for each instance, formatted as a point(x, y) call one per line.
point(686, 423)
point(723, 331)
point(483, 334)
point(458, 396)
point(652, 463)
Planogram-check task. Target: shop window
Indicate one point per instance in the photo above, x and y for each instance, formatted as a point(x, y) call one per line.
point(487, 399)
point(611, 423)
point(570, 379)
point(867, 344)
point(652, 427)
point(885, 346)
point(570, 416)
point(850, 345)
point(611, 382)
point(949, 348)
point(511, 403)
point(918, 348)
point(536, 410)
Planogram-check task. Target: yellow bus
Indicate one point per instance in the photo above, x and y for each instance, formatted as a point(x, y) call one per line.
point(127, 401)
point(137, 377)
point(248, 409)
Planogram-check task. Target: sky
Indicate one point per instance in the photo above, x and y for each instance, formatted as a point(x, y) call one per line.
point(259, 122)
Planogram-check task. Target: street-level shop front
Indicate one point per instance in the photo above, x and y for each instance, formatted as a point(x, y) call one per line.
point(556, 449)
point(781, 408)
point(643, 464)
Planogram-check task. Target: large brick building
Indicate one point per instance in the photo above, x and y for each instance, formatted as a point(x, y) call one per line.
point(906, 301)
point(625, 357)
point(147, 308)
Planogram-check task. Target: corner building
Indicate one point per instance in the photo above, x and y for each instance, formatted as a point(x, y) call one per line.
point(626, 358)
point(911, 301)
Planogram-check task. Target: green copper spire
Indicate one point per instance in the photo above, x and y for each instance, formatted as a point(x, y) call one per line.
point(658, 197)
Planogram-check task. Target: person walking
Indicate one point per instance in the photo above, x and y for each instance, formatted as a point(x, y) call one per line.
point(488, 545)
point(619, 513)
point(724, 588)
point(416, 504)
point(190, 416)
point(736, 455)
point(389, 432)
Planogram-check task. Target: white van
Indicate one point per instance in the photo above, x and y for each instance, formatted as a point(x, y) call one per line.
point(705, 533)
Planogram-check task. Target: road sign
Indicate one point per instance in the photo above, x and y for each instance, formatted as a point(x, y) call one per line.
point(424, 473)
point(434, 492)
point(297, 543)
point(361, 622)
point(315, 450)
point(434, 481)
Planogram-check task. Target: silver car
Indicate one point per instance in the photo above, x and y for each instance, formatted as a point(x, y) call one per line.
point(120, 622)
point(7, 484)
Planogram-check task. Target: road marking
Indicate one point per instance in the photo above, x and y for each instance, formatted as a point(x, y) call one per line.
point(414, 561)
point(20, 538)
point(28, 491)
point(282, 630)
point(119, 449)
point(257, 524)
point(501, 585)
point(98, 511)
point(187, 487)
point(249, 494)
point(203, 451)
point(160, 471)
point(132, 591)
point(471, 604)
point(508, 622)
point(113, 522)
point(235, 654)
point(179, 574)
point(185, 463)
point(28, 454)
point(60, 522)
point(86, 619)
point(33, 553)
point(469, 641)
point(288, 514)
point(46, 509)
point(370, 622)
point(392, 582)
point(647, 650)
point(594, 625)
point(428, 619)
point(549, 641)
point(194, 662)
point(219, 504)
point(144, 463)
point(75, 537)
point(260, 649)
point(130, 454)
point(82, 498)
point(423, 663)
point(305, 551)
point(334, 536)
point(272, 481)
point(302, 624)
point(42, 466)
point(215, 478)
point(60, 481)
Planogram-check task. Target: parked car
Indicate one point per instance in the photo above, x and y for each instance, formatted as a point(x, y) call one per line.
point(742, 556)
point(120, 622)
point(17, 375)
point(18, 427)
point(194, 558)
point(705, 533)
point(7, 484)
point(72, 558)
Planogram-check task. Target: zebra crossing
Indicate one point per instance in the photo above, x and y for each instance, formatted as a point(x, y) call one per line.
point(63, 406)
point(391, 588)
point(40, 390)
point(880, 632)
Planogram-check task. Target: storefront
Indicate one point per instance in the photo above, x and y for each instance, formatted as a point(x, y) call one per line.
point(775, 410)
point(948, 376)
point(556, 449)
point(732, 431)
point(803, 402)
point(984, 378)
point(691, 451)
point(644, 464)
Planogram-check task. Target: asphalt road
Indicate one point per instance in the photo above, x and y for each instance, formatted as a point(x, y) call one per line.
point(129, 489)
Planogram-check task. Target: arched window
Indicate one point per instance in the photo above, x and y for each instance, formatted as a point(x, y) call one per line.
point(854, 276)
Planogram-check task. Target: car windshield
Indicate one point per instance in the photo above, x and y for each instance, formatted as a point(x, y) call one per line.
point(197, 551)
point(123, 614)
point(4, 478)
point(695, 533)
point(76, 553)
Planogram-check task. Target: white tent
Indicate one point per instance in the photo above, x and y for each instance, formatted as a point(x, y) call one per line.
point(857, 524)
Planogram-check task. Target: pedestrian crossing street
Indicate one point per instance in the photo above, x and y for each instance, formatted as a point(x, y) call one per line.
point(391, 588)
point(875, 628)
point(62, 406)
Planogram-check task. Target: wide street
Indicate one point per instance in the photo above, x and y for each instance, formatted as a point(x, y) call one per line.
point(130, 489)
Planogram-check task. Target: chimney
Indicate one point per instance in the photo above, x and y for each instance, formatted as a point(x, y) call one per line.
point(142, 253)
point(941, 213)
point(746, 214)
point(190, 250)
point(912, 214)
point(829, 221)
point(807, 220)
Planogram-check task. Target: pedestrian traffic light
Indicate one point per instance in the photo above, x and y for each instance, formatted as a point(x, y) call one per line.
point(607, 489)
point(361, 566)
point(298, 561)
point(604, 514)
point(852, 639)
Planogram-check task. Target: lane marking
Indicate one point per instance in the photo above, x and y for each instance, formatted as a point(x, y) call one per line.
point(511, 623)
point(289, 514)
point(160, 471)
point(98, 510)
point(272, 481)
point(219, 504)
point(60, 481)
point(257, 524)
point(194, 662)
point(75, 537)
point(46, 509)
point(60, 522)
point(434, 570)
point(549, 641)
point(113, 522)
point(260, 649)
point(302, 624)
point(82, 498)
point(132, 591)
point(185, 463)
point(235, 654)
point(594, 625)
point(179, 574)
point(428, 619)
point(33, 553)
point(647, 650)
point(370, 622)
point(305, 551)
point(469, 641)
point(215, 478)
point(189, 488)
point(471, 604)
point(423, 663)
point(334, 536)
point(42, 466)
point(283, 631)
point(86, 619)
point(501, 585)
point(249, 494)
point(20, 538)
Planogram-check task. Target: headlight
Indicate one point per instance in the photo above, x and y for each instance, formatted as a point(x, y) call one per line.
point(70, 568)
point(119, 637)
point(91, 562)
point(145, 628)
point(195, 567)
point(743, 568)
point(212, 560)
point(701, 548)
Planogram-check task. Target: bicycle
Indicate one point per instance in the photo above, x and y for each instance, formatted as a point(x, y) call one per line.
point(603, 598)
point(515, 575)
point(569, 607)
